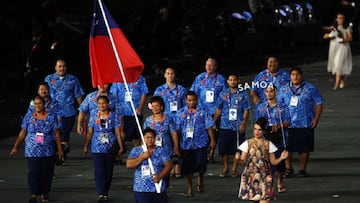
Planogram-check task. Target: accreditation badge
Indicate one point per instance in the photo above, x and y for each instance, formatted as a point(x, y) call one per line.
point(190, 132)
point(173, 106)
point(158, 141)
point(232, 114)
point(104, 138)
point(39, 138)
point(209, 96)
point(128, 96)
point(145, 171)
point(294, 100)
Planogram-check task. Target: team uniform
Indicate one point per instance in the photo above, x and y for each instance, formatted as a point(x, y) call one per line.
point(232, 106)
point(102, 141)
point(136, 91)
point(65, 90)
point(194, 138)
point(265, 77)
point(208, 89)
point(301, 102)
point(144, 187)
point(40, 151)
point(174, 98)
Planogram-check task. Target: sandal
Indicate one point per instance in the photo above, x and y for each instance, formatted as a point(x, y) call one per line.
point(44, 198)
point(281, 189)
point(188, 194)
point(200, 188)
point(288, 173)
point(32, 200)
point(234, 174)
point(178, 175)
point(224, 174)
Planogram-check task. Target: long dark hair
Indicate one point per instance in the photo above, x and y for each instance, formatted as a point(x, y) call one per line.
point(345, 25)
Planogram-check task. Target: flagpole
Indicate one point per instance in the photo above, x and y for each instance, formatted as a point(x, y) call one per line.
point(157, 185)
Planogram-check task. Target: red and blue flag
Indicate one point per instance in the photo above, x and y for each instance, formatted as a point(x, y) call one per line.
point(108, 57)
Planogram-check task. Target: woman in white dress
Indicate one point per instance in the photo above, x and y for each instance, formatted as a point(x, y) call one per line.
point(340, 59)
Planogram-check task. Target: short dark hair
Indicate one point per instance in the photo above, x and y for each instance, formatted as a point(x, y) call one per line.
point(297, 69)
point(191, 93)
point(39, 97)
point(149, 130)
point(158, 99)
point(103, 97)
point(42, 83)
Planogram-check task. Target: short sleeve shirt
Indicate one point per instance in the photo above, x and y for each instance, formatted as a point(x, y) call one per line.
point(65, 91)
point(143, 182)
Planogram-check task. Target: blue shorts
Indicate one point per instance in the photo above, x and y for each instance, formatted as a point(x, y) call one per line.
point(301, 140)
point(228, 142)
point(193, 160)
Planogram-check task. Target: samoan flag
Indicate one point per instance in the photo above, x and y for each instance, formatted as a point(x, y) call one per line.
point(104, 65)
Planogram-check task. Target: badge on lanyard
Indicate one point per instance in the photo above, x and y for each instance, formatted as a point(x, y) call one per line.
point(158, 141)
point(189, 132)
point(104, 138)
point(210, 96)
point(128, 96)
point(39, 138)
point(145, 171)
point(294, 100)
point(232, 114)
point(173, 106)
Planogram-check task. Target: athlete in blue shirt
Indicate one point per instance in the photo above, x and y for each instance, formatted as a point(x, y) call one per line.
point(305, 104)
point(89, 105)
point(41, 131)
point(195, 127)
point(271, 74)
point(65, 89)
point(172, 93)
point(233, 111)
point(144, 179)
point(104, 134)
point(207, 86)
point(137, 93)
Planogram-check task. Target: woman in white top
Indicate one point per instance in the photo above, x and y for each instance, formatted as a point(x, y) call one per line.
point(340, 59)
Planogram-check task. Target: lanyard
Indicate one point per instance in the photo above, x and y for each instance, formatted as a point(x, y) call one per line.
point(269, 115)
point(297, 91)
point(228, 96)
point(188, 116)
point(169, 93)
point(206, 81)
point(38, 124)
point(161, 123)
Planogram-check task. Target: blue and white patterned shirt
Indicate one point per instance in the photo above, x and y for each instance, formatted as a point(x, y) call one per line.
point(203, 83)
point(301, 103)
point(64, 91)
point(104, 132)
point(264, 78)
point(199, 121)
point(137, 90)
point(177, 94)
point(239, 101)
point(145, 183)
point(40, 135)
point(90, 103)
point(163, 131)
